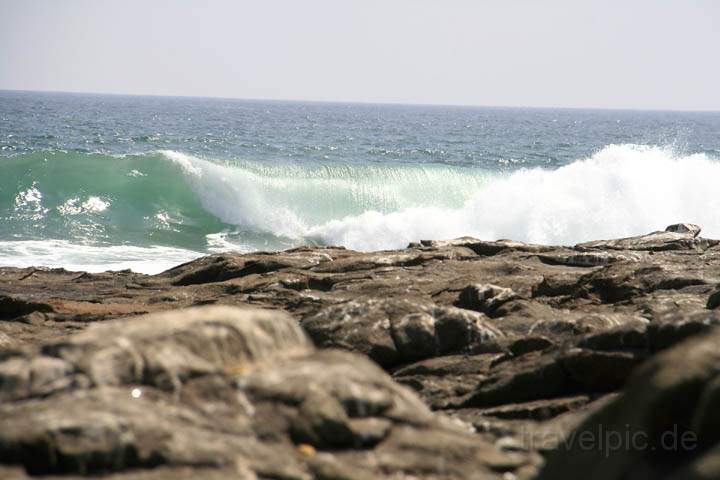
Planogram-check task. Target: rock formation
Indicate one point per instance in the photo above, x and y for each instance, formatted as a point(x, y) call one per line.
point(445, 360)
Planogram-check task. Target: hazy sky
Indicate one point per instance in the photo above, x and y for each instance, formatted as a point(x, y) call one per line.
point(605, 53)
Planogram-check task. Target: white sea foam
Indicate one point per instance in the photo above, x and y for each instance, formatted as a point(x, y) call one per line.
point(30, 197)
point(621, 190)
point(29, 203)
point(236, 196)
point(220, 242)
point(136, 173)
point(72, 256)
point(92, 204)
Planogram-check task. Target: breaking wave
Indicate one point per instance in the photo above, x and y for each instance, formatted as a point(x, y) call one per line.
point(190, 205)
point(620, 191)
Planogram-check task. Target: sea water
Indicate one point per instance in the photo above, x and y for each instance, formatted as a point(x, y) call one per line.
point(98, 182)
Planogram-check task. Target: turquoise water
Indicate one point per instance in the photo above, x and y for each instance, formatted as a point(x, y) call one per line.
point(107, 182)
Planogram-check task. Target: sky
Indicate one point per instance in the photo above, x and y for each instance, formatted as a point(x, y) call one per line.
point(646, 54)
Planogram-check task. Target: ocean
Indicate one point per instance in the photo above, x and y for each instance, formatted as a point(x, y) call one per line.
point(110, 182)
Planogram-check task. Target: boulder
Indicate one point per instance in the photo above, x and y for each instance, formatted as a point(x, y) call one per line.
point(664, 425)
point(690, 228)
point(393, 331)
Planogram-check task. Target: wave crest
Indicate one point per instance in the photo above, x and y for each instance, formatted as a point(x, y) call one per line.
point(621, 190)
point(293, 200)
point(183, 201)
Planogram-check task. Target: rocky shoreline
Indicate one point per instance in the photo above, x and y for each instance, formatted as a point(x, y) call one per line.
point(446, 360)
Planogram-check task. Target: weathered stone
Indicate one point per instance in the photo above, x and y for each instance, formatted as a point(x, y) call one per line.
point(684, 228)
point(537, 410)
point(485, 298)
point(531, 377)
point(486, 248)
point(395, 331)
point(668, 413)
point(654, 242)
point(221, 267)
point(588, 259)
point(675, 326)
point(414, 335)
point(596, 371)
point(164, 349)
point(629, 336)
point(524, 345)
point(21, 377)
point(13, 307)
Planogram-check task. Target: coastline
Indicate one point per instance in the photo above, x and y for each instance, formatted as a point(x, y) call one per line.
point(495, 355)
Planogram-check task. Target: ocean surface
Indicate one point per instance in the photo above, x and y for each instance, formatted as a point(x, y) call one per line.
point(107, 182)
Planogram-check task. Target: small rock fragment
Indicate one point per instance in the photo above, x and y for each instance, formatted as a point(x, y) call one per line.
point(485, 298)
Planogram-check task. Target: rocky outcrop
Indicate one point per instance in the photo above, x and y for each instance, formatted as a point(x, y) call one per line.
point(241, 392)
point(449, 359)
point(663, 426)
point(395, 331)
point(682, 236)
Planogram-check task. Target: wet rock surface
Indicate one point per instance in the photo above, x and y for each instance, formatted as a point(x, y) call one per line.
point(449, 359)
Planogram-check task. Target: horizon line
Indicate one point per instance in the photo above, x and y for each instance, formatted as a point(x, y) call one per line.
point(360, 102)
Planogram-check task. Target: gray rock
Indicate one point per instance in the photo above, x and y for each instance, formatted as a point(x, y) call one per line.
point(663, 425)
point(677, 325)
point(542, 375)
point(486, 248)
point(396, 331)
point(221, 267)
point(165, 349)
point(251, 398)
point(677, 239)
point(684, 228)
point(631, 335)
point(485, 298)
point(588, 259)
